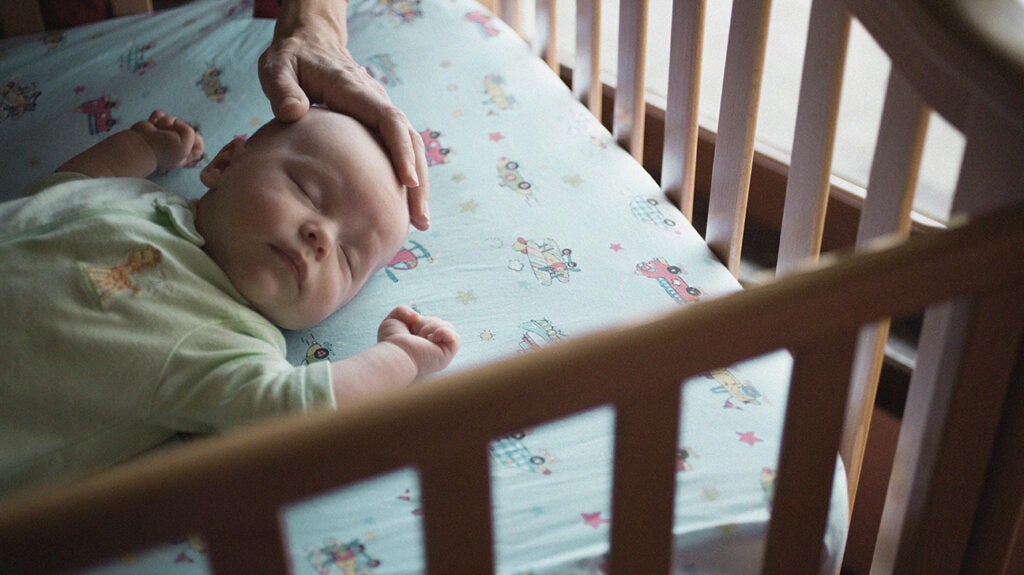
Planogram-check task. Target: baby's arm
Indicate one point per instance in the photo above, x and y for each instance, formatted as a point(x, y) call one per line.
point(161, 141)
point(408, 345)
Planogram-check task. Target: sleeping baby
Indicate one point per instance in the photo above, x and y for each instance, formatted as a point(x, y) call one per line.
point(131, 314)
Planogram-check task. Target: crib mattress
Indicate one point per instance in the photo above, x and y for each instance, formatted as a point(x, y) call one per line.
point(542, 230)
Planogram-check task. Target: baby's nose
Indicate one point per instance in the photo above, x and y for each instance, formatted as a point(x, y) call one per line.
point(319, 238)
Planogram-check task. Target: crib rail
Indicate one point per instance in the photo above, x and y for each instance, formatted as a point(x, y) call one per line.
point(437, 428)
point(20, 17)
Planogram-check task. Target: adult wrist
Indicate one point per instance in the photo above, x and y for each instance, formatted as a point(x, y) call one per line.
point(312, 15)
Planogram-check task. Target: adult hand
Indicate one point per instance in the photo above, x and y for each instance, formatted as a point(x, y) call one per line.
point(307, 61)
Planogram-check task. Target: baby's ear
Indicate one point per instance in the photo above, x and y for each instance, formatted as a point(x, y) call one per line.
point(210, 176)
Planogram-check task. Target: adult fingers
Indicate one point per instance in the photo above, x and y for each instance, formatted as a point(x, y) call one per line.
point(419, 196)
point(279, 80)
point(405, 147)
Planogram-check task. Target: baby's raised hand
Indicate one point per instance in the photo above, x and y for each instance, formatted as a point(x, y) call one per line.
point(173, 142)
point(430, 342)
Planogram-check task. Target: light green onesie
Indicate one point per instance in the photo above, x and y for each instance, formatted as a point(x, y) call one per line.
point(118, 331)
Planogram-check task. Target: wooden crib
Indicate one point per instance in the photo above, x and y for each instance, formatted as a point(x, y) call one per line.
point(954, 502)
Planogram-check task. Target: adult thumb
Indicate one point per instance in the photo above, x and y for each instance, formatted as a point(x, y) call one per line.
point(280, 84)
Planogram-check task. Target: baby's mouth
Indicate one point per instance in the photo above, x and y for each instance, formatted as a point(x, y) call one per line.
point(292, 260)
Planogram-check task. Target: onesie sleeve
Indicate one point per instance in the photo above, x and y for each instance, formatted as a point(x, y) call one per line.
point(234, 373)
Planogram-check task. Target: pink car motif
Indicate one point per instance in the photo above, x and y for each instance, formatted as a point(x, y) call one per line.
point(669, 280)
point(484, 21)
point(98, 111)
point(436, 154)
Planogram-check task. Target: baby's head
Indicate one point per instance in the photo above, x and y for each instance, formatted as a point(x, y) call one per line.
point(300, 215)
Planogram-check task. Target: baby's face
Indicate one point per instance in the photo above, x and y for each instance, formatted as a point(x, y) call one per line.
point(301, 215)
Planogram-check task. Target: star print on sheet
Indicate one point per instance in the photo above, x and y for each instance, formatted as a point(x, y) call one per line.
point(748, 437)
point(496, 136)
point(594, 519)
point(615, 247)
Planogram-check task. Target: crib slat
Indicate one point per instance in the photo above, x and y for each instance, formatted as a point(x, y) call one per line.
point(457, 524)
point(628, 121)
point(1001, 509)
point(885, 211)
point(249, 540)
point(807, 459)
point(958, 383)
point(646, 443)
point(546, 35)
point(129, 7)
point(939, 467)
point(734, 146)
point(807, 187)
point(679, 155)
point(509, 12)
point(20, 17)
point(586, 72)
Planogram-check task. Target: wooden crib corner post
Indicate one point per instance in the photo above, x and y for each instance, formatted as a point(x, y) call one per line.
point(947, 433)
point(966, 356)
point(999, 524)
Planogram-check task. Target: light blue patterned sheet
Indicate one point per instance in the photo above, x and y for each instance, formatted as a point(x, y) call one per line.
point(541, 230)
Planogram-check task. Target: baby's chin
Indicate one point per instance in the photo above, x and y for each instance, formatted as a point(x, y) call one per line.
point(293, 320)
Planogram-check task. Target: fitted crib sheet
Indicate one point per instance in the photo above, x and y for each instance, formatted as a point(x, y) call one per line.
point(542, 230)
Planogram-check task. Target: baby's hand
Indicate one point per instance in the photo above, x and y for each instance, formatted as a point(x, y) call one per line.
point(430, 342)
point(173, 142)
